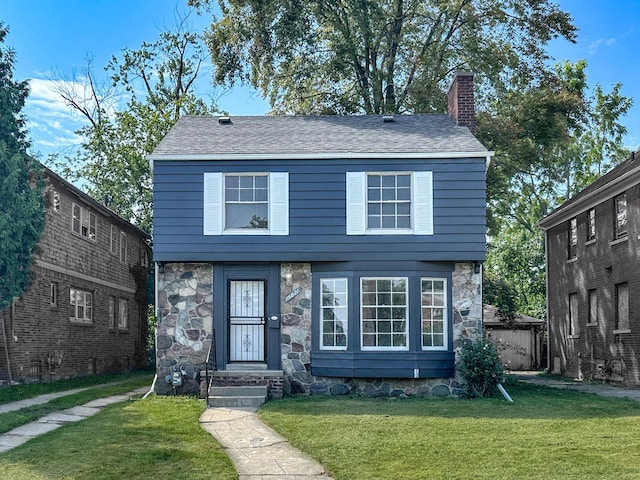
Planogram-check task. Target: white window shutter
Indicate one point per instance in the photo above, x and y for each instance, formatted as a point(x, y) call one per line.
point(423, 203)
point(356, 203)
point(213, 204)
point(279, 203)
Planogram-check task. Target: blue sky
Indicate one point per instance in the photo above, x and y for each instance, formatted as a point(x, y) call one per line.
point(53, 39)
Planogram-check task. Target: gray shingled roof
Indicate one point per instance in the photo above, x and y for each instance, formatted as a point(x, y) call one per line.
point(313, 135)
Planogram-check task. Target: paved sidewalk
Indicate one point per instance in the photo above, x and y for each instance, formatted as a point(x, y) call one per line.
point(605, 390)
point(258, 452)
point(50, 422)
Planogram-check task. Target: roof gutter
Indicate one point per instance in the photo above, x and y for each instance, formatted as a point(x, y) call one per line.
point(615, 187)
point(317, 156)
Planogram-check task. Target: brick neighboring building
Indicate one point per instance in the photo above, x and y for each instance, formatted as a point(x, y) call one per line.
point(593, 286)
point(84, 312)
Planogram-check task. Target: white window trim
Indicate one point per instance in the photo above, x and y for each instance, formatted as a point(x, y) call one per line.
point(123, 314)
point(407, 328)
point(85, 214)
point(445, 307)
point(345, 323)
point(85, 319)
point(122, 255)
point(421, 204)
point(114, 244)
point(214, 205)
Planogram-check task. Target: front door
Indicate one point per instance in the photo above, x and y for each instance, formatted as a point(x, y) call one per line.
point(246, 320)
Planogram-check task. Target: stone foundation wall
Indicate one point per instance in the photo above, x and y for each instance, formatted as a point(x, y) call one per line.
point(296, 334)
point(185, 323)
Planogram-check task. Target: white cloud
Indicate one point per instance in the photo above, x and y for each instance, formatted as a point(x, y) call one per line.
point(595, 46)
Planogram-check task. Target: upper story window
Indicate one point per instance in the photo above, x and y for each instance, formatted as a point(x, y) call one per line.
point(81, 303)
point(384, 313)
point(114, 240)
point(573, 238)
point(621, 216)
point(389, 203)
point(55, 201)
point(591, 227)
point(246, 203)
point(123, 247)
point(84, 222)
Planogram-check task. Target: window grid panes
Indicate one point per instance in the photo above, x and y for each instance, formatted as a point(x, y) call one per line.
point(388, 201)
point(434, 312)
point(246, 199)
point(123, 247)
point(573, 314)
point(384, 313)
point(81, 303)
point(112, 313)
point(334, 312)
point(114, 240)
point(123, 314)
point(621, 216)
point(573, 237)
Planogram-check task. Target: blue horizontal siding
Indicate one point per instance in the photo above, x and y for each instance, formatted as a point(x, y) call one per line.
point(317, 214)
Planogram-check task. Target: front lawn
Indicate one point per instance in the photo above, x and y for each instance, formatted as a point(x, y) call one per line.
point(157, 438)
point(544, 434)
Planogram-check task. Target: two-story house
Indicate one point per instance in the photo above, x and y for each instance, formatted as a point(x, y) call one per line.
point(342, 252)
point(86, 309)
point(592, 257)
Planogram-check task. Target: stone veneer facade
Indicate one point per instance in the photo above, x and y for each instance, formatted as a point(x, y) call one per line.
point(185, 331)
point(185, 323)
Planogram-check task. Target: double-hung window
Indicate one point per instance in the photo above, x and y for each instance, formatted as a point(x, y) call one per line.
point(81, 303)
point(246, 203)
point(334, 313)
point(384, 307)
point(621, 216)
point(591, 229)
point(84, 222)
point(399, 203)
point(434, 313)
point(123, 314)
point(622, 307)
point(573, 238)
point(112, 313)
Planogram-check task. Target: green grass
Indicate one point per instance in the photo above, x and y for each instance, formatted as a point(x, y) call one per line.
point(156, 438)
point(11, 420)
point(30, 390)
point(544, 434)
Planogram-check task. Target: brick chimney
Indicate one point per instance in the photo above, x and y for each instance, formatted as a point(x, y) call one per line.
point(461, 104)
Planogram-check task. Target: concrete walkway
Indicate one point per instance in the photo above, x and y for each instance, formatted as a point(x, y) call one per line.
point(604, 390)
point(258, 452)
point(50, 422)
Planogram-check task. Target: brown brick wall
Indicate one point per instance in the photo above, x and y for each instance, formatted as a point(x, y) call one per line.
point(42, 342)
point(599, 265)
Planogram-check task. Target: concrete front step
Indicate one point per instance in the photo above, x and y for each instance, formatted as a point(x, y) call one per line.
point(237, 396)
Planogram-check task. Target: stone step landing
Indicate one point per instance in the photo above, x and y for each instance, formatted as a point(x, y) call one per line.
point(244, 387)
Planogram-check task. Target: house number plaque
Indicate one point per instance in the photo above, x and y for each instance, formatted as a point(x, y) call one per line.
point(294, 293)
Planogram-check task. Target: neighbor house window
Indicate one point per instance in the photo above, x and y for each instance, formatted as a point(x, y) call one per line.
point(112, 313)
point(123, 247)
point(573, 238)
point(84, 222)
point(389, 203)
point(591, 229)
point(384, 313)
point(573, 314)
point(123, 314)
point(246, 203)
point(144, 256)
point(81, 303)
point(114, 240)
point(334, 312)
point(622, 306)
point(434, 313)
point(53, 294)
point(55, 201)
point(593, 306)
point(621, 216)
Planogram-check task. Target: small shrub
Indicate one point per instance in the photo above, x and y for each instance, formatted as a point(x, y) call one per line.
point(480, 368)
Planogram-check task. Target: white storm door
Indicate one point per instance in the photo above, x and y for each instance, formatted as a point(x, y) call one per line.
point(246, 321)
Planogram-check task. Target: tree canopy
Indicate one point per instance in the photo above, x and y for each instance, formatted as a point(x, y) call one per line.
point(21, 198)
point(377, 56)
point(157, 81)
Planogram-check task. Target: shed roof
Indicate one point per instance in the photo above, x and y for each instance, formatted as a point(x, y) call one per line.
point(330, 136)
